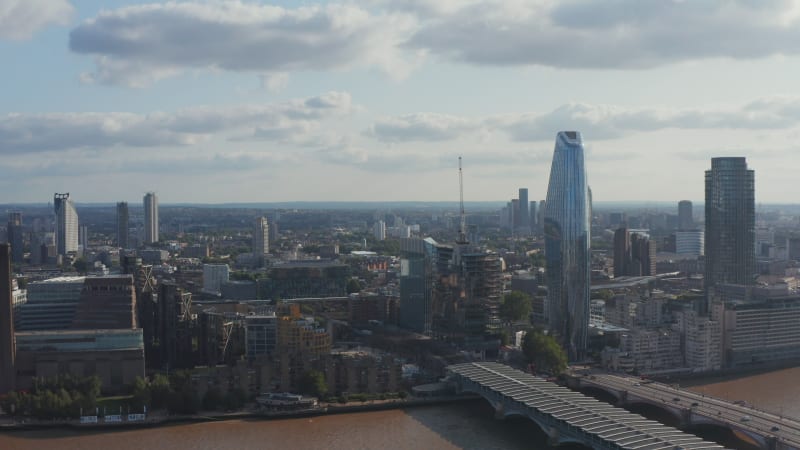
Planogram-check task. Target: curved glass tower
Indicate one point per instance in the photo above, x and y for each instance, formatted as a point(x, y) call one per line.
point(566, 230)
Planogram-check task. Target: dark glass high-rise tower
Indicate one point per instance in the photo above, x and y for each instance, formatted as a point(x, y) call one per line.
point(685, 219)
point(122, 225)
point(567, 238)
point(730, 224)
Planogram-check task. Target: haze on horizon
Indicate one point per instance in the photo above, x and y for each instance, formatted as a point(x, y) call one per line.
point(243, 101)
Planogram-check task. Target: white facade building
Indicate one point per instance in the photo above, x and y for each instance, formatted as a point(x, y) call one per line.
point(689, 242)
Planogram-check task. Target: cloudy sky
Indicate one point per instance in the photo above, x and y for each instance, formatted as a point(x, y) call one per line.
point(244, 101)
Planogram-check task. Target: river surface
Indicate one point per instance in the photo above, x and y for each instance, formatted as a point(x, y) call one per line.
point(458, 426)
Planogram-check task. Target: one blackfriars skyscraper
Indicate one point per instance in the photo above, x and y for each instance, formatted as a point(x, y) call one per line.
point(567, 238)
point(730, 224)
point(150, 218)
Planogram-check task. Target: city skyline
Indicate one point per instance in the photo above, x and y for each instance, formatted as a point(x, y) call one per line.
point(390, 94)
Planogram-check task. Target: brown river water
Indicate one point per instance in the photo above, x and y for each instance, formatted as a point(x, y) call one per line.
point(457, 426)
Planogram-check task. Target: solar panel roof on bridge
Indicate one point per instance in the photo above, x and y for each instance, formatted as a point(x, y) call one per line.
point(616, 427)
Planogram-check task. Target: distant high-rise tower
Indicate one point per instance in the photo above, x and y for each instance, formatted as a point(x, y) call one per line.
point(730, 224)
point(7, 351)
point(66, 235)
point(532, 215)
point(685, 219)
point(122, 225)
point(261, 237)
point(524, 215)
point(379, 230)
point(622, 251)
point(150, 218)
point(14, 231)
point(567, 239)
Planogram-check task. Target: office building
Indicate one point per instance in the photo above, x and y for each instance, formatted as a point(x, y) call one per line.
point(15, 237)
point(524, 214)
point(416, 287)
point(83, 237)
point(532, 216)
point(66, 220)
point(622, 251)
point(685, 217)
point(730, 224)
point(379, 230)
point(261, 335)
point(261, 238)
point(689, 242)
point(51, 304)
point(213, 277)
point(122, 225)
point(107, 302)
point(150, 218)
point(567, 240)
point(7, 350)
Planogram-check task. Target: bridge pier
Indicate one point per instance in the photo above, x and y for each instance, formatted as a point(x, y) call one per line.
point(623, 399)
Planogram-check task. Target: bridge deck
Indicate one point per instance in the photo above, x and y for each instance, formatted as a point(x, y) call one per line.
point(595, 421)
point(766, 424)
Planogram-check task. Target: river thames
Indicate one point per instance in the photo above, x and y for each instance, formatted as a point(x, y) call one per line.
point(457, 426)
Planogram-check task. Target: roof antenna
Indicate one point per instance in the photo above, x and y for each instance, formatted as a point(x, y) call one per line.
point(462, 229)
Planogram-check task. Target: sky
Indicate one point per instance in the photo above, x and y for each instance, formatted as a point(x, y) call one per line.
point(370, 100)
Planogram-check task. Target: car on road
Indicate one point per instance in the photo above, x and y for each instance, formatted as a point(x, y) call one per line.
point(676, 399)
point(695, 404)
point(775, 429)
point(745, 419)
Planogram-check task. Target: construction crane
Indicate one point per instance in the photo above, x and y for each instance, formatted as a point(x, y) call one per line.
point(462, 228)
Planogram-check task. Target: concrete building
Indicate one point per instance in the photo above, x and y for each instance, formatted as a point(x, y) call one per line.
point(66, 222)
point(150, 202)
point(305, 279)
point(761, 331)
point(261, 238)
point(524, 214)
point(214, 275)
point(702, 340)
point(107, 302)
point(115, 356)
point(567, 239)
point(123, 225)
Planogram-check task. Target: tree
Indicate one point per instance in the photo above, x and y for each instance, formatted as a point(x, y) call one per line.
point(544, 352)
point(353, 286)
point(313, 383)
point(81, 265)
point(516, 306)
point(142, 395)
point(159, 391)
point(213, 399)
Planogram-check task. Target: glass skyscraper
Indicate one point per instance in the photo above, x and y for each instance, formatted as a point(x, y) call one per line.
point(566, 231)
point(730, 224)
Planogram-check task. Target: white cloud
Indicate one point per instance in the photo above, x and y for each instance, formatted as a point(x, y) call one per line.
point(614, 34)
point(596, 122)
point(420, 127)
point(136, 45)
point(285, 122)
point(20, 19)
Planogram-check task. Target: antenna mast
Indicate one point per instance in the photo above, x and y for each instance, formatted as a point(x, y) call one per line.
point(462, 229)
